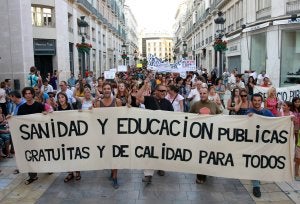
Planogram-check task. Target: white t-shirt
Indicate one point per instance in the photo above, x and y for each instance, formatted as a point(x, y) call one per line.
point(2, 95)
point(47, 89)
point(175, 102)
point(194, 93)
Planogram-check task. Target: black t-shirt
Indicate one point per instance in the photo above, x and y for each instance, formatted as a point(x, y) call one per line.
point(133, 102)
point(153, 104)
point(59, 108)
point(26, 109)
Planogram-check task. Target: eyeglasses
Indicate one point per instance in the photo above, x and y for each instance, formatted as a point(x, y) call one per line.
point(243, 95)
point(162, 90)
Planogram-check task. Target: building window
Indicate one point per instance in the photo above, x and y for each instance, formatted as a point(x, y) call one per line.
point(258, 52)
point(70, 23)
point(290, 57)
point(94, 60)
point(71, 57)
point(263, 9)
point(42, 16)
point(93, 34)
point(262, 4)
point(103, 40)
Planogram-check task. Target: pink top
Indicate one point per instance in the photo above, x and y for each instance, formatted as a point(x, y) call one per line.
point(272, 105)
point(281, 113)
point(297, 121)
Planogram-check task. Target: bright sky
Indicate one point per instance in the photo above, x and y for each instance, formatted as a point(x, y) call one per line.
point(154, 15)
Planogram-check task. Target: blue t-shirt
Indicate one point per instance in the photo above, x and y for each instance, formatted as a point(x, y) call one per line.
point(33, 80)
point(263, 112)
point(16, 108)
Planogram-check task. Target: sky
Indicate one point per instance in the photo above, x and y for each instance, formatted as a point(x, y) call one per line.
point(154, 15)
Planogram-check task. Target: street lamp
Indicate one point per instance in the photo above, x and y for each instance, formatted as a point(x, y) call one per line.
point(135, 56)
point(83, 47)
point(184, 45)
point(174, 55)
point(219, 44)
point(124, 55)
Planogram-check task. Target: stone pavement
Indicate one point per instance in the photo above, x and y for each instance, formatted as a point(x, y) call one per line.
point(175, 188)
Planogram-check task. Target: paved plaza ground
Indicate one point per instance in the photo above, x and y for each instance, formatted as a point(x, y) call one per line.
point(175, 188)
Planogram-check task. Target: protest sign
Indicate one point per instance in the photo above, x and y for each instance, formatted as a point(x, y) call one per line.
point(187, 65)
point(239, 147)
point(283, 93)
point(109, 74)
point(122, 68)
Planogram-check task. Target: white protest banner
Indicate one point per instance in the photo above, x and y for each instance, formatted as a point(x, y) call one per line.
point(240, 147)
point(283, 93)
point(109, 75)
point(187, 65)
point(122, 68)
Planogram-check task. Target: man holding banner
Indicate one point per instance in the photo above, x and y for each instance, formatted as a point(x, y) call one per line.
point(157, 102)
point(204, 106)
point(257, 109)
point(30, 107)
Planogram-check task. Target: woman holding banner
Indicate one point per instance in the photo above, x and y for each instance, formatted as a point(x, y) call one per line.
point(105, 102)
point(233, 101)
point(244, 104)
point(296, 111)
point(63, 105)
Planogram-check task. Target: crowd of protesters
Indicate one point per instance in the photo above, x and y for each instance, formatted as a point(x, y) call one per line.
point(145, 89)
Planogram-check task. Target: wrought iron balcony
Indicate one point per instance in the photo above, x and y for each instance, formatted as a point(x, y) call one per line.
point(263, 13)
point(293, 7)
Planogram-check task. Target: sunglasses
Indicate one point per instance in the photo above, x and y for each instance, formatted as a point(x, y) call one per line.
point(162, 90)
point(243, 95)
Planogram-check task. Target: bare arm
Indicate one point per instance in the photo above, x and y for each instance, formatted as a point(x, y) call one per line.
point(139, 95)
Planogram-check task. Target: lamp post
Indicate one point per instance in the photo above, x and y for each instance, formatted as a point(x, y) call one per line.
point(135, 53)
point(218, 39)
point(184, 45)
point(124, 55)
point(82, 25)
point(174, 55)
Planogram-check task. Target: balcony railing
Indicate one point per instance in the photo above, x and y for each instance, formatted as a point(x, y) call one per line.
point(263, 13)
point(293, 7)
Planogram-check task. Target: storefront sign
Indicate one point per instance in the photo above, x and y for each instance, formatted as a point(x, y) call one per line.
point(286, 21)
point(44, 47)
point(256, 27)
point(233, 48)
point(283, 93)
